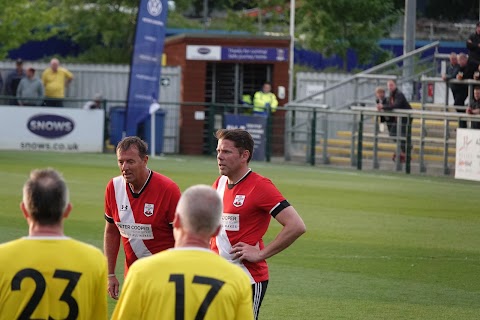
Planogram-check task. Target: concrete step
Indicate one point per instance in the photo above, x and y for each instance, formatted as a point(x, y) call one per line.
point(342, 147)
point(342, 161)
point(416, 105)
point(382, 156)
point(434, 123)
point(430, 132)
point(344, 134)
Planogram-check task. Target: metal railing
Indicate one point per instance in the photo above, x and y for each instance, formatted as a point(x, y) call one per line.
point(471, 83)
point(314, 134)
point(391, 69)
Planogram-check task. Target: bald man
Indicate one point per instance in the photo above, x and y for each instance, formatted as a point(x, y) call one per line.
point(188, 281)
point(54, 80)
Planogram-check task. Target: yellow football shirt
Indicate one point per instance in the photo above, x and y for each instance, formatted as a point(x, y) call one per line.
point(55, 277)
point(185, 283)
point(54, 82)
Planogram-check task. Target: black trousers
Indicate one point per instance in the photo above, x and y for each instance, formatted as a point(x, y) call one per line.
point(460, 93)
point(54, 103)
point(392, 131)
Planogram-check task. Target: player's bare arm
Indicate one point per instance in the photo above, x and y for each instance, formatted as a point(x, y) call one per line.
point(111, 246)
point(293, 227)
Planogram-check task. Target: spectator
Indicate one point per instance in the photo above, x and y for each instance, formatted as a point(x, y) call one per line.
point(460, 91)
point(96, 103)
point(249, 202)
point(396, 100)
point(474, 107)
point(139, 209)
point(190, 281)
point(473, 46)
point(54, 79)
point(13, 80)
point(47, 275)
point(30, 89)
point(382, 100)
point(265, 102)
point(246, 99)
point(452, 68)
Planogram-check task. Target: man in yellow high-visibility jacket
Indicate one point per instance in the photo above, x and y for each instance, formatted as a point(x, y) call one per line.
point(264, 100)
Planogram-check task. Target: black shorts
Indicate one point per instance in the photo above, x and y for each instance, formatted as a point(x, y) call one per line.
point(258, 290)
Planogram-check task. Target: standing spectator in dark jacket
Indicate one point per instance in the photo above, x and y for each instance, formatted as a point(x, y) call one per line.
point(473, 46)
point(13, 79)
point(474, 107)
point(452, 68)
point(451, 73)
point(396, 100)
point(460, 91)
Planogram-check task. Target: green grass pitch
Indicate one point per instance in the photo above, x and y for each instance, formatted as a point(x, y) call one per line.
point(378, 246)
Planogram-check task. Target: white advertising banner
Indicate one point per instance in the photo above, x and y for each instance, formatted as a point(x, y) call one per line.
point(467, 161)
point(213, 53)
point(51, 129)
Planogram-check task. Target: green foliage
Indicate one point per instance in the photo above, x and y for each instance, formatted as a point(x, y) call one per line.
point(334, 26)
point(105, 28)
point(178, 20)
point(274, 17)
point(24, 20)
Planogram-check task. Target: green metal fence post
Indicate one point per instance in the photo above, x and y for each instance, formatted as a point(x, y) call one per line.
point(360, 143)
point(408, 145)
point(313, 133)
point(268, 149)
point(210, 130)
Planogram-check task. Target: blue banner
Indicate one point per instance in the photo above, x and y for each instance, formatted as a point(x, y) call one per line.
point(255, 54)
point(145, 67)
point(255, 125)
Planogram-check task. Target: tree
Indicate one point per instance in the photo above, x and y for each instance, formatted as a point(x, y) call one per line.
point(335, 26)
point(25, 20)
point(105, 29)
point(258, 16)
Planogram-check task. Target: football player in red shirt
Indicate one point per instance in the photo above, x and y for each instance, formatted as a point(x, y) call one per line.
point(139, 209)
point(249, 201)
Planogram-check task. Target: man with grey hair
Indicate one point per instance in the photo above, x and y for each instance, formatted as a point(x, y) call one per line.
point(96, 103)
point(70, 273)
point(188, 281)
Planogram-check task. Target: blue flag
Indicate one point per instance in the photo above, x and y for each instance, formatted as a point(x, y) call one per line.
point(145, 67)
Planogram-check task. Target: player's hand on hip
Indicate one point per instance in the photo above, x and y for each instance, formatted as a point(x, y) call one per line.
point(113, 287)
point(244, 251)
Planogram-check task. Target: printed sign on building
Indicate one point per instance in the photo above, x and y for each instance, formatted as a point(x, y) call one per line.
point(255, 125)
point(219, 53)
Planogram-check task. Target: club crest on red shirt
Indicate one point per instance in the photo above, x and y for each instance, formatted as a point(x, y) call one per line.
point(238, 201)
point(148, 209)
